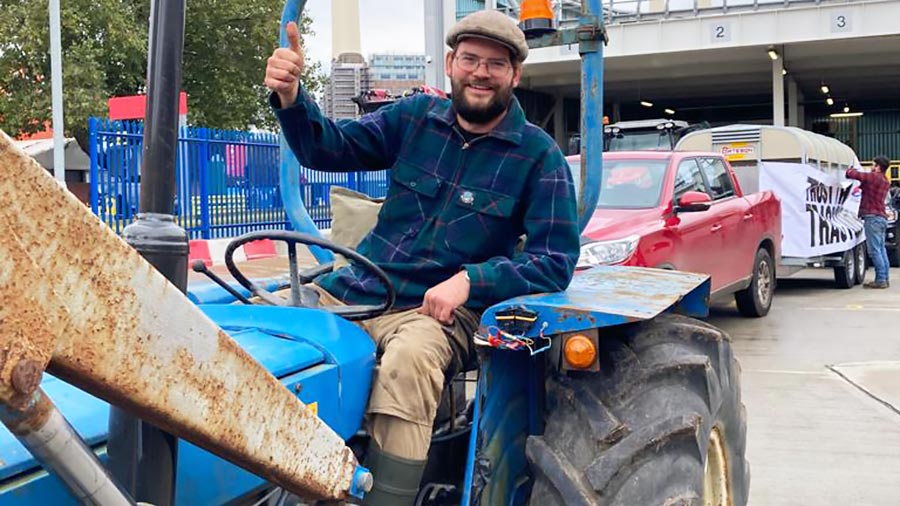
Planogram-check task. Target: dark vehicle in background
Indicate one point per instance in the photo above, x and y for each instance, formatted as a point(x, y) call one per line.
point(646, 135)
point(892, 240)
point(641, 135)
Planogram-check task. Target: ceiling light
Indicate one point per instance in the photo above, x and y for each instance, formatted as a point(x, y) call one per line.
point(669, 111)
point(773, 55)
point(784, 72)
point(825, 89)
point(846, 115)
point(646, 104)
point(829, 101)
point(846, 108)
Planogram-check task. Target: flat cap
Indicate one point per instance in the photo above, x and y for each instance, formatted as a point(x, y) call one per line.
point(490, 25)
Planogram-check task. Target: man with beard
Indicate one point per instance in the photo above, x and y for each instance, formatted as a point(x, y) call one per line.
point(469, 176)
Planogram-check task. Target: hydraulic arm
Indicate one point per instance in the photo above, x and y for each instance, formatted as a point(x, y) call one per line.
point(82, 304)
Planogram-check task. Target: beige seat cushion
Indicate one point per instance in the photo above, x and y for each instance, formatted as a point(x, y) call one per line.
point(353, 215)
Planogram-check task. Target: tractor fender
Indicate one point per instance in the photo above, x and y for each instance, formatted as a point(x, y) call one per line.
point(607, 295)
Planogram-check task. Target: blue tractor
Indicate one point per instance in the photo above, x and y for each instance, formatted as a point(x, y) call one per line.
point(610, 393)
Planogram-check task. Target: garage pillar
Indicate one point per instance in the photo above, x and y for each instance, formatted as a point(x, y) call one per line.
point(777, 92)
point(559, 124)
point(793, 103)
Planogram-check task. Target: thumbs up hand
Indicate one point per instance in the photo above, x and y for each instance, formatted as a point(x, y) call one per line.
point(284, 67)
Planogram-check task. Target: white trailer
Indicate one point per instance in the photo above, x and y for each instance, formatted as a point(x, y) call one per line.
point(759, 152)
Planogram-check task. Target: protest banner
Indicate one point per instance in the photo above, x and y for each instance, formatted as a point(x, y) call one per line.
point(818, 210)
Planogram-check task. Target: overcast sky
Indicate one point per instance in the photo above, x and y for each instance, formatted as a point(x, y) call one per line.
point(395, 26)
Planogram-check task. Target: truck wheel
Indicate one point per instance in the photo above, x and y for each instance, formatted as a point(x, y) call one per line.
point(661, 424)
point(845, 274)
point(755, 300)
point(861, 265)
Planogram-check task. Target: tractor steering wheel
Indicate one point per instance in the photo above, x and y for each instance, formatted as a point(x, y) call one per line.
point(300, 294)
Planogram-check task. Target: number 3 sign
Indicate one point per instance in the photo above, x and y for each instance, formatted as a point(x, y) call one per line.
point(840, 22)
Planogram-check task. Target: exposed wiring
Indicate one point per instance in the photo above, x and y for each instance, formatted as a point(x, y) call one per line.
point(500, 339)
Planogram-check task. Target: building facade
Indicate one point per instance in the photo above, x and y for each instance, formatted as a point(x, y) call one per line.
point(396, 72)
point(830, 66)
point(349, 78)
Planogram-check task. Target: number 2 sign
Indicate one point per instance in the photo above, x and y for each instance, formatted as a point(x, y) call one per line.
point(721, 32)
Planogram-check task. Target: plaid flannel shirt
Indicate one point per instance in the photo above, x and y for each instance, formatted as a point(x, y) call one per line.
point(875, 188)
point(451, 204)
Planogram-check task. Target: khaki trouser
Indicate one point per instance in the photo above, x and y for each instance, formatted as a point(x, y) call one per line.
point(416, 355)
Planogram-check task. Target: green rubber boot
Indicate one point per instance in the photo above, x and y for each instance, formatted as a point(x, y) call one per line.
point(396, 479)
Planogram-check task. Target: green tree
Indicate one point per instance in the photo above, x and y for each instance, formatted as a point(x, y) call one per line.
point(105, 54)
point(227, 43)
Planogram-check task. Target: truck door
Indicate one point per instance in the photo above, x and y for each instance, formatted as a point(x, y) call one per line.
point(734, 226)
point(695, 238)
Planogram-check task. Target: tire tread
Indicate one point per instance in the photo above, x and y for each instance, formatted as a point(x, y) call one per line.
point(666, 383)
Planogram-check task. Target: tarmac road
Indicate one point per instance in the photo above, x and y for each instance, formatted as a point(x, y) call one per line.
point(821, 383)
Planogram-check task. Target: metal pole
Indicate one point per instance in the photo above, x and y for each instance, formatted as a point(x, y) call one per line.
point(46, 434)
point(591, 112)
point(143, 457)
point(161, 122)
point(434, 43)
point(289, 168)
point(59, 158)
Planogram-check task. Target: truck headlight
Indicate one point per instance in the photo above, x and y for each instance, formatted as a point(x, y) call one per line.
point(607, 252)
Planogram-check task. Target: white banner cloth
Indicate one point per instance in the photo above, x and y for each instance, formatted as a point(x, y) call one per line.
point(818, 210)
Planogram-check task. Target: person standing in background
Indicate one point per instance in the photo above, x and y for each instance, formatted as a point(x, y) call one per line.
point(875, 187)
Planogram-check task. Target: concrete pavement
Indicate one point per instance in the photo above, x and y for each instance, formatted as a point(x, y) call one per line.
point(821, 383)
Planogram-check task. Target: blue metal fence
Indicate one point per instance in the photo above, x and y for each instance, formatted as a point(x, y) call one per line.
point(227, 181)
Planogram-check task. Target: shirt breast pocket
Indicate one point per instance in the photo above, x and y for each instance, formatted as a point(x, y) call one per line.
point(480, 224)
point(412, 196)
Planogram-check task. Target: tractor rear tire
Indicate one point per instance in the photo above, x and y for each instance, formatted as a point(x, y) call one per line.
point(661, 424)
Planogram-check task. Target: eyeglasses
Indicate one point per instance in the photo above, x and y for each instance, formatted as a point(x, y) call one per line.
point(495, 67)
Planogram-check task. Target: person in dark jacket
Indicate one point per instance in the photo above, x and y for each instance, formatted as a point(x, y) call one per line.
point(875, 187)
point(468, 177)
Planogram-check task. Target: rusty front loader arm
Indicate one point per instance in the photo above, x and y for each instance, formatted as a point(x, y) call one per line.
point(81, 303)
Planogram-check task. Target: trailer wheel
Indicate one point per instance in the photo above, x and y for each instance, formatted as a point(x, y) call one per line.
point(755, 300)
point(861, 265)
point(661, 424)
point(845, 274)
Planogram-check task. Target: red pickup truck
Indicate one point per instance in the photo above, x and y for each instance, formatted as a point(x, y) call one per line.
point(685, 211)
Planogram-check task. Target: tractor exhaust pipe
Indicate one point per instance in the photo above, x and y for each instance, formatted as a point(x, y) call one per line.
point(143, 457)
point(46, 434)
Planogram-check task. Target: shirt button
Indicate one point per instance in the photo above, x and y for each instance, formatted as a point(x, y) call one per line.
point(412, 184)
